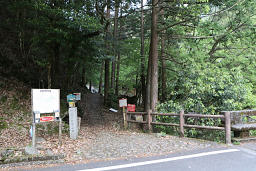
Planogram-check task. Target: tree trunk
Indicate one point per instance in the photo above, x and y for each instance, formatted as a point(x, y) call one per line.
point(83, 77)
point(154, 57)
point(90, 86)
point(147, 102)
point(49, 76)
point(142, 62)
point(163, 69)
point(113, 72)
point(118, 57)
point(107, 61)
point(163, 63)
point(55, 69)
point(106, 82)
point(117, 73)
point(101, 76)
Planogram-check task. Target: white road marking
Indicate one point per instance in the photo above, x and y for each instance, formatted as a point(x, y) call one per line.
point(161, 160)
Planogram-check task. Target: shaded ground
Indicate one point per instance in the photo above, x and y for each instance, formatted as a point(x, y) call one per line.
point(97, 115)
point(93, 112)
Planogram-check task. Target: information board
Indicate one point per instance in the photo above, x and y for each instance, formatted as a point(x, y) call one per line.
point(122, 102)
point(45, 101)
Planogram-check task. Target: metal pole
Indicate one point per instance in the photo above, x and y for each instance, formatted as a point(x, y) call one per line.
point(60, 132)
point(227, 127)
point(34, 135)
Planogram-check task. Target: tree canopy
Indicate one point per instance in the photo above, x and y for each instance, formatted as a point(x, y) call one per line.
point(198, 55)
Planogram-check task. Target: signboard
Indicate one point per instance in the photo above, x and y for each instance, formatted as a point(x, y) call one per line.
point(122, 102)
point(78, 96)
point(71, 98)
point(47, 119)
point(73, 127)
point(131, 108)
point(71, 104)
point(45, 101)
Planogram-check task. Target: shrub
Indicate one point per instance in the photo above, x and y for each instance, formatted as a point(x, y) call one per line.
point(206, 90)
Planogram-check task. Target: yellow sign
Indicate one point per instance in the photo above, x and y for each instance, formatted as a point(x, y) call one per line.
point(71, 104)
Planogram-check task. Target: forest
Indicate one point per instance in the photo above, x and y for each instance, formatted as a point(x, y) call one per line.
point(196, 55)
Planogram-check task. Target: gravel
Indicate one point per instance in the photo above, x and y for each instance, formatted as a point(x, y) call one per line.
point(125, 144)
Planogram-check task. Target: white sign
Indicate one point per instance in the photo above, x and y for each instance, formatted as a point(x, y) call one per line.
point(123, 103)
point(45, 100)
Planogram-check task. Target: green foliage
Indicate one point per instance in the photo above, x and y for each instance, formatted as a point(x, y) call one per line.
point(3, 99)
point(47, 34)
point(112, 100)
point(210, 89)
point(207, 89)
point(3, 124)
point(15, 105)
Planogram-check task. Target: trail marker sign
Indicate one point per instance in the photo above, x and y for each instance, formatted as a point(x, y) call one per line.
point(122, 102)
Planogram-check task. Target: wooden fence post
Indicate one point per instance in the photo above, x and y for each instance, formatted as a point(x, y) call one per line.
point(125, 118)
point(227, 128)
point(182, 123)
point(149, 120)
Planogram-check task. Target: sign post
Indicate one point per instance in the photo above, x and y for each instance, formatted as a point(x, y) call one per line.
point(73, 121)
point(73, 129)
point(123, 104)
point(45, 108)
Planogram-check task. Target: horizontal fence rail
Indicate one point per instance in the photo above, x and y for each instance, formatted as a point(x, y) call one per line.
point(182, 124)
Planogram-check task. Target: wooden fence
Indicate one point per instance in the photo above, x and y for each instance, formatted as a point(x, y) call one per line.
point(182, 123)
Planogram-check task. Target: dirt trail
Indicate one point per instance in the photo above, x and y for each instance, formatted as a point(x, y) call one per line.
point(96, 114)
point(93, 112)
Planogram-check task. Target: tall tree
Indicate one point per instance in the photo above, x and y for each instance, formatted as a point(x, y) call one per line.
point(113, 71)
point(163, 61)
point(107, 61)
point(101, 76)
point(154, 56)
point(142, 55)
point(118, 54)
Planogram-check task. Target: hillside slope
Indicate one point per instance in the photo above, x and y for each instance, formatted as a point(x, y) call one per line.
point(15, 115)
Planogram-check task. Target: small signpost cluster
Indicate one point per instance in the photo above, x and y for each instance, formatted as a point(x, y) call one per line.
point(46, 108)
point(73, 123)
point(130, 108)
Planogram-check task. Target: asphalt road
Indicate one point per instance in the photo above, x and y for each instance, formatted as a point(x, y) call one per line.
point(221, 159)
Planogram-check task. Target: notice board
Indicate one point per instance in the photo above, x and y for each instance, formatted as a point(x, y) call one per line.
point(45, 100)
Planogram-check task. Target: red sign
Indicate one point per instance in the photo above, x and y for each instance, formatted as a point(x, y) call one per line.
point(131, 107)
point(46, 119)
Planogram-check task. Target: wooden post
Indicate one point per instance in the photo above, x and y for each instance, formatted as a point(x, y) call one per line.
point(125, 118)
point(60, 132)
point(227, 127)
point(149, 120)
point(182, 123)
